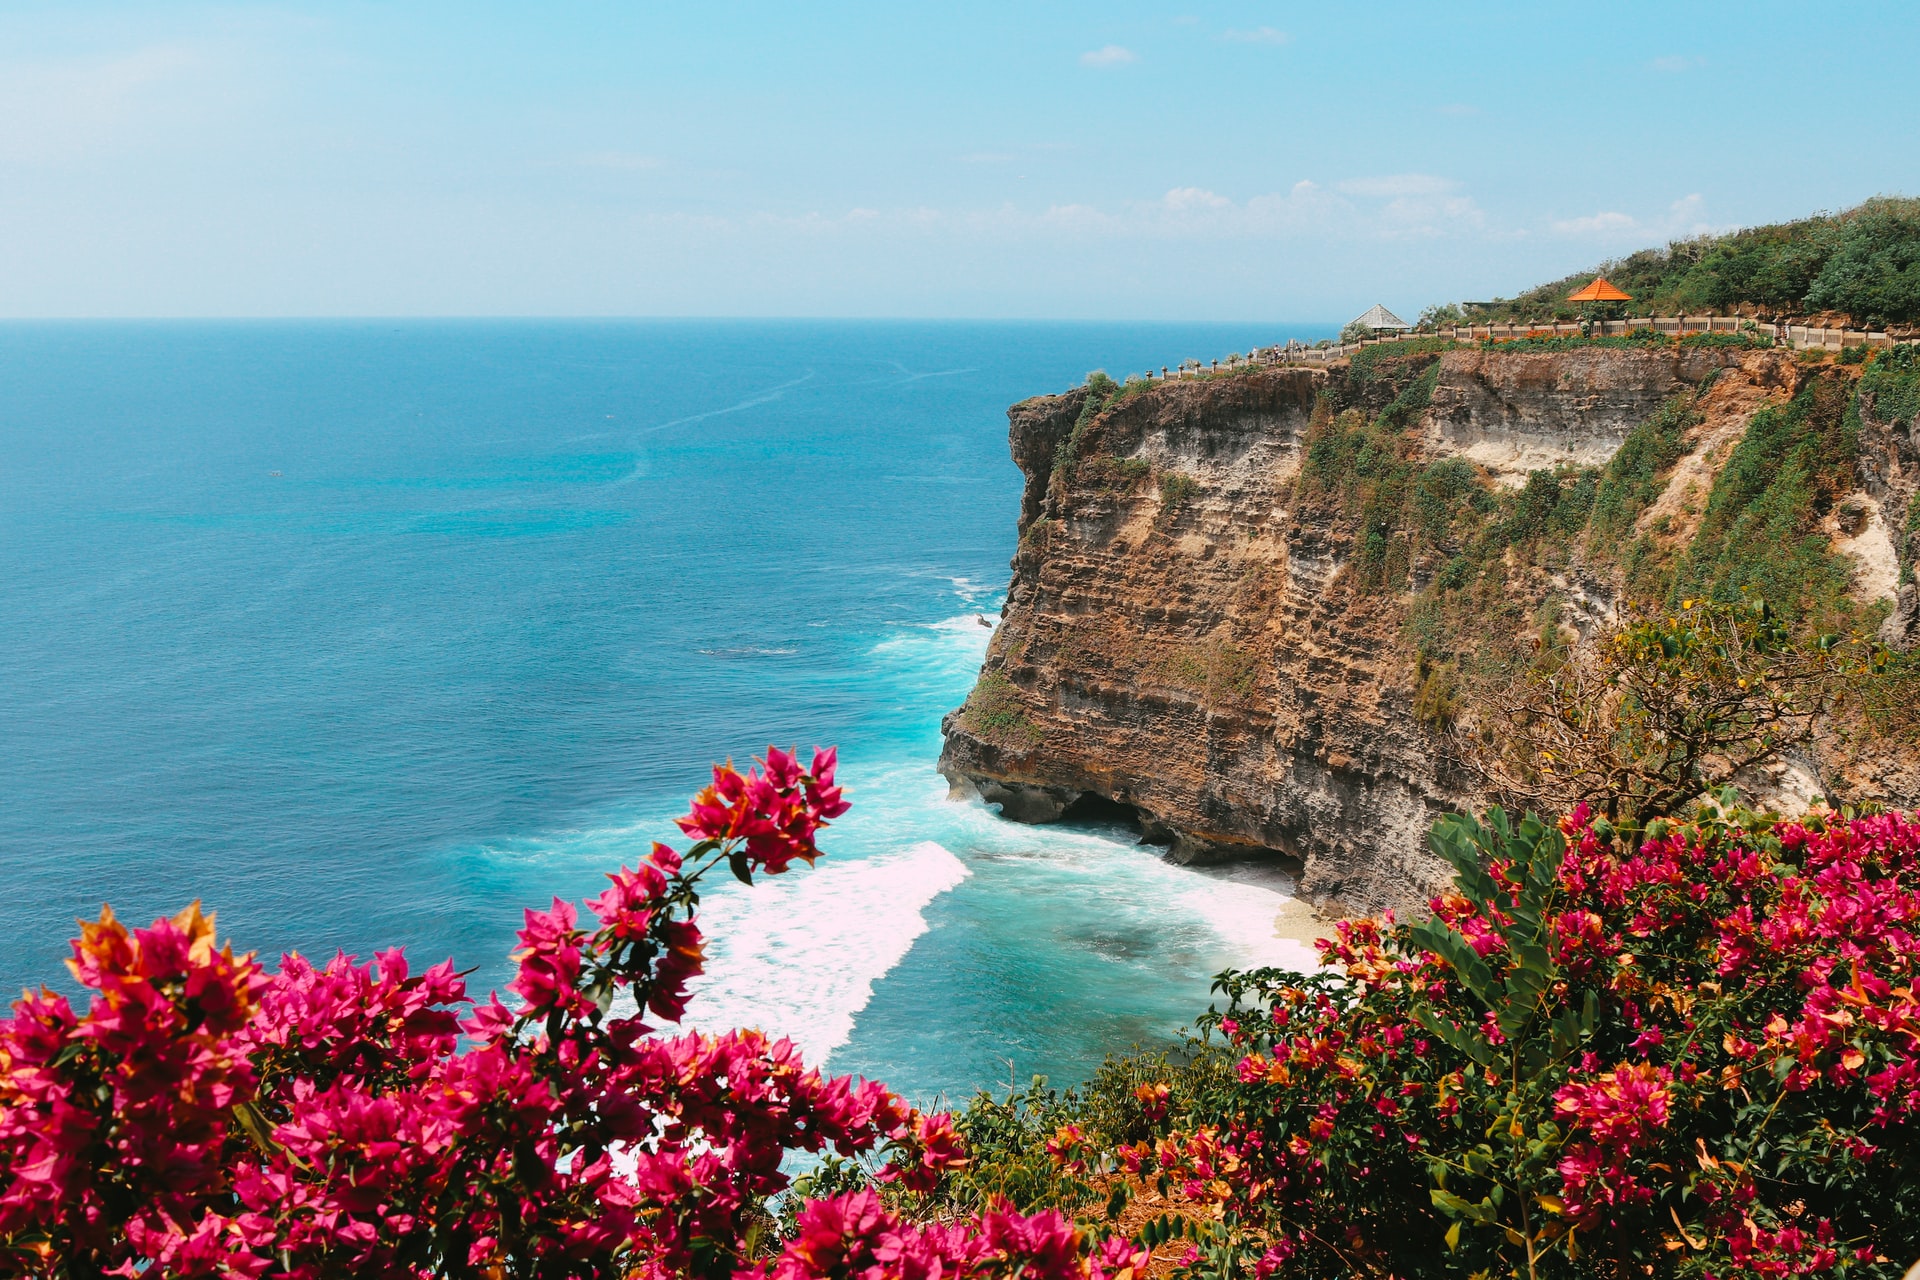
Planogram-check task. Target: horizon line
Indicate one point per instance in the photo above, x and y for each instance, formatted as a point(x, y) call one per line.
point(375, 318)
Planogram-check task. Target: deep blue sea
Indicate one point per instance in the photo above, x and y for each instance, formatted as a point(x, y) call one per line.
point(370, 633)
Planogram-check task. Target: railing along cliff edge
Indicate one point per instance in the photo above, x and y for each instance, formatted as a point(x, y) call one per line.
point(1798, 337)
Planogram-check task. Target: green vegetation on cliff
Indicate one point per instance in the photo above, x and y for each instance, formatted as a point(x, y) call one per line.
point(1488, 568)
point(1863, 262)
point(1760, 533)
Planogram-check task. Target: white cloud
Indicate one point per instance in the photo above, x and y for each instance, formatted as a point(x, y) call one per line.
point(1674, 64)
point(1686, 216)
point(1595, 224)
point(1305, 211)
point(1183, 199)
point(1258, 35)
point(1397, 185)
point(1112, 55)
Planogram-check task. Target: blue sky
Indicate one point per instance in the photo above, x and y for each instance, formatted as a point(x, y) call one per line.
point(1118, 161)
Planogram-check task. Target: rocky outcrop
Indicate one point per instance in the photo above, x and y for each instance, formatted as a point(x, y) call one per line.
point(1517, 412)
point(1183, 640)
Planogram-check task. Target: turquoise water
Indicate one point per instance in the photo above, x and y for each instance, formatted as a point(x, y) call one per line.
point(372, 633)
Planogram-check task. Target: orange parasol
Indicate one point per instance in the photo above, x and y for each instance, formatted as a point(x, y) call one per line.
point(1601, 290)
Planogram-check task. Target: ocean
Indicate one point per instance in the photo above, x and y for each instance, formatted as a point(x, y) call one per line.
point(374, 633)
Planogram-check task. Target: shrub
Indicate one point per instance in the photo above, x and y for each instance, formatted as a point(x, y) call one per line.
point(1692, 1050)
point(1663, 707)
point(1864, 261)
point(1890, 386)
point(204, 1117)
point(995, 711)
point(1115, 476)
point(1635, 474)
point(1412, 399)
point(1760, 532)
point(1175, 489)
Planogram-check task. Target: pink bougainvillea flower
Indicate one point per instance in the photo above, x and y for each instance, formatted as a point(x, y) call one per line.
point(774, 812)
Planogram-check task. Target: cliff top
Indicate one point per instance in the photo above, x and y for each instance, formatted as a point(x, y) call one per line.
point(1862, 264)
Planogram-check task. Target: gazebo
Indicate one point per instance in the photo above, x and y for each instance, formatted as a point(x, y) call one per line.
point(1598, 297)
point(1380, 320)
point(1600, 290)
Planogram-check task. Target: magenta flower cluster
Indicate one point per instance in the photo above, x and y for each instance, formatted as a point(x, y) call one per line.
point(1689, 1052)
point(205, 1117)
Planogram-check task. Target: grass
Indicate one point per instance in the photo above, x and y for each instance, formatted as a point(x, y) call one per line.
point(1636, 473)
point(994, 711)
point(1176, 489)
point(1637, 340)
point(1760, 533)
point(1114, 476)
point(1370, 364)
point(1481, 549)
point(1216, 669)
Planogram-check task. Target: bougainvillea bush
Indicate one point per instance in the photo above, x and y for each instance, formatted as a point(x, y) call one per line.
point(203, 1116)
point(1694, 1050)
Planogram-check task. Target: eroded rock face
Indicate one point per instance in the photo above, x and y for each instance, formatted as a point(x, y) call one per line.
point(1179, 640)
point(1516, 412)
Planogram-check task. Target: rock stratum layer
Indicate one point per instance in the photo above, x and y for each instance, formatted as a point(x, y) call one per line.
point(1197, 634)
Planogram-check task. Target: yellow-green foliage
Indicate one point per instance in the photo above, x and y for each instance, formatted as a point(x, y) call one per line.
point(1760, 533)
point(1469, 538)
point(995, 712)
point(1175, 489)
point(1114, 476)
point(1636, 473)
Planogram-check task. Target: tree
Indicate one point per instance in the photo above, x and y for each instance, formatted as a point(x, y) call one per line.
point(1663, 707)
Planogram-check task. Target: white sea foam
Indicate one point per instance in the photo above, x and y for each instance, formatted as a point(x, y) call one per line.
point(1244, 913)
point(1090, 913)
point(797, 955)
point(1238, 906)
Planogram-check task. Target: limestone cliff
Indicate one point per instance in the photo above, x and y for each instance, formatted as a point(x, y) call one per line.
point(1203, 628)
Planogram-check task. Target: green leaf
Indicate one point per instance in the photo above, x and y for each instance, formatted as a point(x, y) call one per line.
point(1464, 960)
point(1566, 1031)
point(737, 863)
point(1465, 1040)
point(256, 1128)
